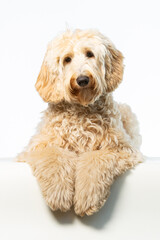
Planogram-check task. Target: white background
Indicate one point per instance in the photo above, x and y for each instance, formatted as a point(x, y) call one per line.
point(27, 26)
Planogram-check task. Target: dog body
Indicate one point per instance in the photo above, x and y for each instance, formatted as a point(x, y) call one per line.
point(85, 139)
point(76, 128)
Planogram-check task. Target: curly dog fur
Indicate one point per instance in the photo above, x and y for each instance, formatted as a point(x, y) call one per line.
point(85, 139)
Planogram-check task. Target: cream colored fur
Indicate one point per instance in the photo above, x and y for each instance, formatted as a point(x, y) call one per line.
point(85, 139)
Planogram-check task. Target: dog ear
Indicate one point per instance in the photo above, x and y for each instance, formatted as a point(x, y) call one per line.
point(47, 84)
point(114, 67)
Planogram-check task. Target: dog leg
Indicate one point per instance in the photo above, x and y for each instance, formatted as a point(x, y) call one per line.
point(54, 169)
point(95, 173)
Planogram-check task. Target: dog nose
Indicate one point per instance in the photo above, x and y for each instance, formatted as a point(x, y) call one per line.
point(82, 81)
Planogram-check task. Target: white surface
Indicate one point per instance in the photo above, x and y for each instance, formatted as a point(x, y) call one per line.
point(27, 26)
point(131, 213)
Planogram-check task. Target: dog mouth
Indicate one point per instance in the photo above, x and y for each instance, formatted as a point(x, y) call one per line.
point(83, 90)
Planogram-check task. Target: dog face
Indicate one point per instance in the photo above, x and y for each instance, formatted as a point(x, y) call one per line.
point(79, 67)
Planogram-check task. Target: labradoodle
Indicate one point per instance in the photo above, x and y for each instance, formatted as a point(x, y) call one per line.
point(85, 139)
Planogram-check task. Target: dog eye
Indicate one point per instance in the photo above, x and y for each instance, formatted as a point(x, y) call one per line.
point(67, 59)
point(89, 54)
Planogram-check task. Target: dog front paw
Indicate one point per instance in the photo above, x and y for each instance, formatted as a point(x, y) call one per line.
point(92, 183)
point(88, 203)
point(58, 194)
point(54, 171)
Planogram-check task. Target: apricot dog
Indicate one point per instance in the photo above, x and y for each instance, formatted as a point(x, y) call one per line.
point(85, 139)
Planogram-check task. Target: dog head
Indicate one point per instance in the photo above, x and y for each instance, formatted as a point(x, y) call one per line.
point(79, 67)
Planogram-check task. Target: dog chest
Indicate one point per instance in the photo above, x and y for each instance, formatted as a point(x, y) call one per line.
point(80, 131)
